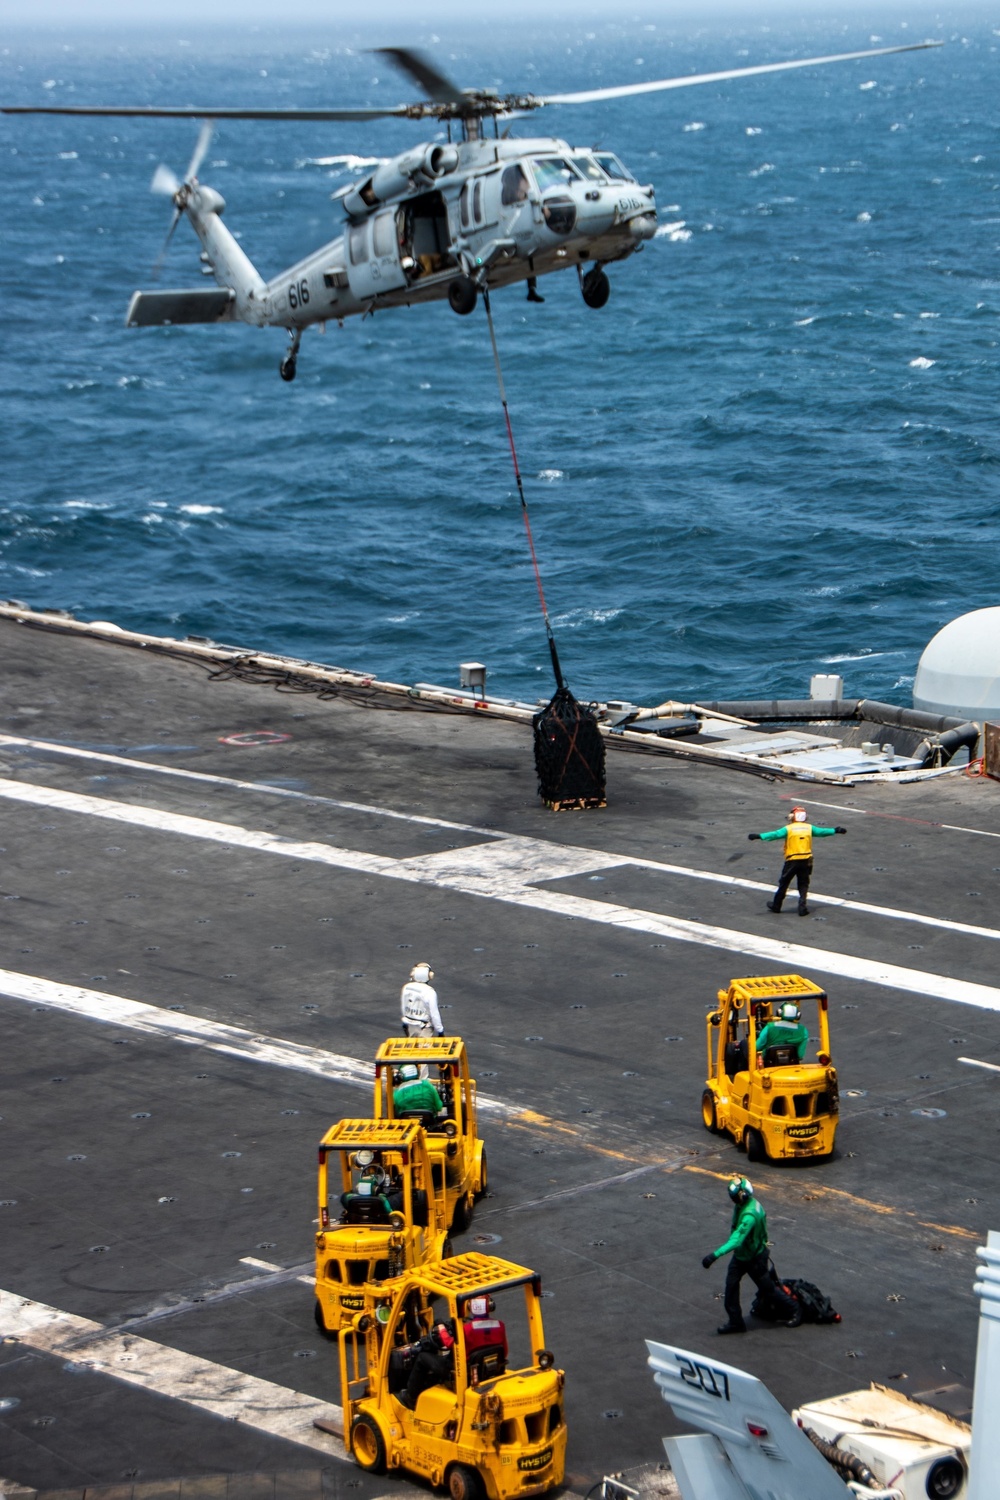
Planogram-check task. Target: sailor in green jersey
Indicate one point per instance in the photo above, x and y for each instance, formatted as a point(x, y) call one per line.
point(786, 1031)
point(416, 1093)
point(798, 837)
point(748, 1243)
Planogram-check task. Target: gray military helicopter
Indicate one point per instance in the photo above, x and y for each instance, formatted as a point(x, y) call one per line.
point(445, 220)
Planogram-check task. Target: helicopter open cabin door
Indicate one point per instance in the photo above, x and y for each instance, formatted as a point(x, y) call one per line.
point(373, 260)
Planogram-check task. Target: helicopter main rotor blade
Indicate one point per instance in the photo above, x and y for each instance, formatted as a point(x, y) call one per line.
point(153, 112)
point(198, 155)
point(436, 85)
point(591, 96)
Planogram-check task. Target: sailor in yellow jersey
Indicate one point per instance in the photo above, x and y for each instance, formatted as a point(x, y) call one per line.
point(798, 837)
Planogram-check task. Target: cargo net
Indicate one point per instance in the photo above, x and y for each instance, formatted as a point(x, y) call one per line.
point(569, 754)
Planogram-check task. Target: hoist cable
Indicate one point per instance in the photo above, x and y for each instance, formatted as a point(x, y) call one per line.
point(520, 490)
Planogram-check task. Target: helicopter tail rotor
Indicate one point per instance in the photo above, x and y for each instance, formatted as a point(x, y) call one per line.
point(166, 183)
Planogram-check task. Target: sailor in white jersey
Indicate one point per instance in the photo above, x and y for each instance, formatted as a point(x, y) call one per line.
point(418, 1003)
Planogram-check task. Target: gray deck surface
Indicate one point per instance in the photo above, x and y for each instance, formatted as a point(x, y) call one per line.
point(595, 1027)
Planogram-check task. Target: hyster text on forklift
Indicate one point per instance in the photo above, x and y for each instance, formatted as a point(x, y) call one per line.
point(491, 1424)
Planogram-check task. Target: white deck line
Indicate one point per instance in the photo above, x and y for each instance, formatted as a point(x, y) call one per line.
point(214, 1036)
point(598, 859)
point(510, 871)
point(162, 1371)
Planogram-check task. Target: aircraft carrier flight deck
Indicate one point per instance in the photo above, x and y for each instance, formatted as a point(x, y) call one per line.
point(212, 894)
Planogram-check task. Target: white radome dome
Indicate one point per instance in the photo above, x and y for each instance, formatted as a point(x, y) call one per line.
point(959, 671)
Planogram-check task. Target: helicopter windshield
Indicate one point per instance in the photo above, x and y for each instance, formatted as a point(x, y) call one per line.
point(588, 167)
point(613, 168)
point(552, 171)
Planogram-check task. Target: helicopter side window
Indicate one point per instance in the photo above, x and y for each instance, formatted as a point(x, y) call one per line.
point(358, 244)
point(613, 168)
point(477, 202)
point(513, 187)
point(385, 234)
point(466, 196)
point(587, 167)
point(552, 171)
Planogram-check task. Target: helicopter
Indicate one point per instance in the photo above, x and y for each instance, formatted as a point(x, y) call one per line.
point(447, 220)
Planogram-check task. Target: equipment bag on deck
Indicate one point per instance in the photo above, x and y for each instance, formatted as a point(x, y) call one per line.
point(815, 1306)
point(569, 754)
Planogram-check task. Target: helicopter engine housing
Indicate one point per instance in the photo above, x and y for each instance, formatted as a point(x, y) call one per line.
point(397, 176)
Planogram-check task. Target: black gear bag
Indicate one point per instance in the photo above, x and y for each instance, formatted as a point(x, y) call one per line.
point(814, 1305)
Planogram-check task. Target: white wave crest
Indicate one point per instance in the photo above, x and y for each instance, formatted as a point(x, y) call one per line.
point(694, 125)
point(765, 166)
point(864, 217)
point(675, 231)
point(201, 510)
point(549, 476)
point(864, 87)
point(922, 363)
point(804, 322)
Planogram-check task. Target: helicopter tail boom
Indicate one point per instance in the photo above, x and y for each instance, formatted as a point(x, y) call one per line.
point(233, 270)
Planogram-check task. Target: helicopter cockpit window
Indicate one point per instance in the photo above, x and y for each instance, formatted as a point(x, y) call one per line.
point(588, 167)
point(613, 168)
point(513, 187)
point(552, 171)
point(358, 243)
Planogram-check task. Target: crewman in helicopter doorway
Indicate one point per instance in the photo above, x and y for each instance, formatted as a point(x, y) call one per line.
point(798, 835)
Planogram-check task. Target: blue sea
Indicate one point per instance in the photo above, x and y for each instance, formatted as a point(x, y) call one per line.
point(775, 451)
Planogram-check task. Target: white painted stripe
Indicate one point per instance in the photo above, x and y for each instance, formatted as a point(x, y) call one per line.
point(870, 812)
point(125, 762)
point(592, 859)
point(974, 1062)
point(260, 1265)
point(95, 1005)
point(233, 1041)
point(217, 1389)
point(508, 871)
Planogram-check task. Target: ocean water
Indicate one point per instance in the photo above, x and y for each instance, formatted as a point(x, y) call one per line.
point(775, 451)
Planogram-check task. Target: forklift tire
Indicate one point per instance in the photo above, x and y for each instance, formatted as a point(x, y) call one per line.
point(484, 1175)
point(754, 1141)
point(708, 1118)
point(465, 1483)
point(328, 1333)
point(368, 1445)
point(463, 1215)
point(447, 1249)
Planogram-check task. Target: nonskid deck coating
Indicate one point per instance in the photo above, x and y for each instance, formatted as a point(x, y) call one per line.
point(586, 1035)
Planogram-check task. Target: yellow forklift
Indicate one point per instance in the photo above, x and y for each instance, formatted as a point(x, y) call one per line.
point(458, 1156)
point(773, 1102)
point(486, 1421)
point(380, 1214)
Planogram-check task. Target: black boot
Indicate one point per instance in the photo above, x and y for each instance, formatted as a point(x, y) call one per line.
point(732, 1328)
point(533, 290)
point(803, 909)
point(774, 906)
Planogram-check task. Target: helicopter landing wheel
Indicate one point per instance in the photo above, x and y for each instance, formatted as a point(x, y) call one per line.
point(596, 287)
point(463, 295)
point(287, 367)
